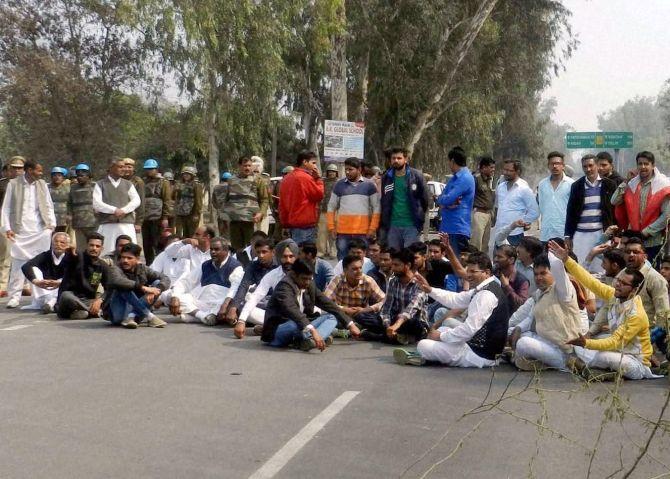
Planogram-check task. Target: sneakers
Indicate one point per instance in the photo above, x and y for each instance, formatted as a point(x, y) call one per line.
point(578, 367)
point(12, 304)
point(525, 364)
point(79, 314)
point(367, 335)
point(307, 344)
point(329, 341)
point(129, 323)
point(341, 333)
point(258, 330)
point(156, 322)
point(209, 320)
point(405, 339)
point(407, 358)
point(47, 309)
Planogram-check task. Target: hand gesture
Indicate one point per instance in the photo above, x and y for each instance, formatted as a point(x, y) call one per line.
point(435, 335)
point(444, 237)
point(422, 283)
point(579, 341)
point(355, 332)
point(504, 280)
point(559, 252)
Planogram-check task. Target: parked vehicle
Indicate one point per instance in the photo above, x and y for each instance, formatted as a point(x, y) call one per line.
point(435, 188)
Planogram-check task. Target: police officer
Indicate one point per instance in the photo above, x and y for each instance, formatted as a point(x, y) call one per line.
point(60, 193)
point(11, 169)
point(169, 177)
point(188, 202)
point(138, 183)
point(219, 195)
point(157, 209)
point(246, 203)
point(80, 205)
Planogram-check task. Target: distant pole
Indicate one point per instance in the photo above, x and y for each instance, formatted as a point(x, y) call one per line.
point(618, 161)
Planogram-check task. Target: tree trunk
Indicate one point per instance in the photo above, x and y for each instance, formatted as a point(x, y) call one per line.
point(363, 70)
point(338, 74)
point(425, 116)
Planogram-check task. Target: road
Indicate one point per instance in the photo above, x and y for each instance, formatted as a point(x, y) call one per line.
point(81, 399)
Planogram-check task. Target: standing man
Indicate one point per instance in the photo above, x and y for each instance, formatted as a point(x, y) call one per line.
point(485, 197)
point(80, 206)
point(188, 196)
point(27, 220)
point(553, 194)
point(246, 204)
point(219, 195)
point(138, 183)
point(515, 200)
point(300, 192)
point(157, 209)
point(11, 169)
point(606, 167)
point(114, 200)
point(643, 204)
point(326, 241)
point(60, 192)
point(354, 207)
point(258, 167)
point(456, 201)
point(404, 201)
point(589, 210)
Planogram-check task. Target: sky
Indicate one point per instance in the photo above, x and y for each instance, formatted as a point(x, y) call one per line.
point(624, 52)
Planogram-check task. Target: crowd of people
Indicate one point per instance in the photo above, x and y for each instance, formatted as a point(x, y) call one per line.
point(589, 296)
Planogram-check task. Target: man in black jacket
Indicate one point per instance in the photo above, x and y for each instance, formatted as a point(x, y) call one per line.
point(45, 272)
point(80, 295)
point(590, 211)
point(290, 317)
point(128, 307)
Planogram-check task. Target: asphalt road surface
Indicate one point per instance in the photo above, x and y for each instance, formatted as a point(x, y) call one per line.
point(81, 399)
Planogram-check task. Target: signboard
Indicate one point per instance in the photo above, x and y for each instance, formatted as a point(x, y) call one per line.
point(343, 139)
point(604, 140)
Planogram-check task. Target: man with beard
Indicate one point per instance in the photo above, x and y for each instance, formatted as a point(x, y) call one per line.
point(80, 206)
point(514, 200)
point(45, 272)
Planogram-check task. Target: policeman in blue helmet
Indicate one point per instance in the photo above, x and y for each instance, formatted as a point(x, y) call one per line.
point(60, 192)
point(225, 176)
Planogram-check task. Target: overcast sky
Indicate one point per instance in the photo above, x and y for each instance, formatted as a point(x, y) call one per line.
point(624, 52)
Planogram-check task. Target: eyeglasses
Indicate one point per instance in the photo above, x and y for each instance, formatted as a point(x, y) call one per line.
point(622, 283)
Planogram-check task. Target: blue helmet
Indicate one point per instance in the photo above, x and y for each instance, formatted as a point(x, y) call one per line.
point(150, 164)
point(82, 166)
point(58, 169)
point(226, 176)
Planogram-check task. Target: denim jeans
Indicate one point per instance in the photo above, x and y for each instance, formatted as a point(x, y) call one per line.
point(342, 244)
point(300, 235)
point(458, 243)
point(122, 303)
point(400, 237)
point(289, 331)
point(514, 240)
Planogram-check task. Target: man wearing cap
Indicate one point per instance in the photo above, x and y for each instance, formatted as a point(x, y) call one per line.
point(188, 196)
point(115, 200)
point(219, 195)
point(325, 243)
point(258, 167)
point(157, 209)
point(60, 192)
point(80, 206)
point(11, 169)
point(27, 220)
point(138, 183)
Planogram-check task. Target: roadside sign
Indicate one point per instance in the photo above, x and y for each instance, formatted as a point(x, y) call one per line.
point(343, 139)
point(612, 140)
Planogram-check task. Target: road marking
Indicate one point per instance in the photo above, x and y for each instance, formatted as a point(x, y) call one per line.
point(17, 327)
point(297, 442)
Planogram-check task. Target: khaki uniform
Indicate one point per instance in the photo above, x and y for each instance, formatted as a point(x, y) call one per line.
point(158, 206)
point(188, 207)
point(219, 195)
point(5, 244)
point(80, 210)
point(59, 196)
point(245, 198)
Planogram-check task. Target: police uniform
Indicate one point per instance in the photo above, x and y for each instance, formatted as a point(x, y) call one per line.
point(157, 207)
point(246, 197)
point(60, 195)
point(188, 204)
point(80, 210)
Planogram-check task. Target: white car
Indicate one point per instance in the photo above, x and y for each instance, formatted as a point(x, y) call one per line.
point(435, 189)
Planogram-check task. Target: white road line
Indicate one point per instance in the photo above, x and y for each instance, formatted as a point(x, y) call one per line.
point(297, 442)
point(17, 327)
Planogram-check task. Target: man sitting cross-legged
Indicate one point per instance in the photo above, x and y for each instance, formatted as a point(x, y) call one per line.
point(547, 320)
point(359, 296)
point(628, 350)
point(170, 265)
point(290, 317)
point(205, 292)
point(477, 341)
point(45, 272)
point(128, 307)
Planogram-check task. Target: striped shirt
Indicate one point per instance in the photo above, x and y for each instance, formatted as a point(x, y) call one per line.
point(354, 206)
point(591, 218)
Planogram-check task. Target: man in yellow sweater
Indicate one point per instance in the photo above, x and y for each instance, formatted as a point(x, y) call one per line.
point(629, 348)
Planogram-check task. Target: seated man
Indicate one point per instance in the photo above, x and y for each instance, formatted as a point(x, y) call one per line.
point(381, 272)
point(357, 247)
point(514, 284)
point(205, 292)
point(80, 292)
point(119, 243)
point(171, 266)
point(435, 271)
point(194, 250)
point(290, 317)
point(253, 274)
point(551, 318)
point(323, 272)
point(128, 307)
point(286, 252)
point(404, 310)
point(529, 248)
point(359, 296)
point(481, 338)
point(45, 272)
point(248, 254)
point(628, 349)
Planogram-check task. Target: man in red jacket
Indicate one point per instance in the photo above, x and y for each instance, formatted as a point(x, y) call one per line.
point(300, 194)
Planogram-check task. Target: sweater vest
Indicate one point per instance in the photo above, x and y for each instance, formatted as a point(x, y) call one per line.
point(117, 197)
point(81, 204)
point(221, 276)
point(489, 340)
point(556, 321)
point(16, 210)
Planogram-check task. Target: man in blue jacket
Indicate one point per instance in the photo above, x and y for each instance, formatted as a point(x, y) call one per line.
point(403, 203)
point(456, 201)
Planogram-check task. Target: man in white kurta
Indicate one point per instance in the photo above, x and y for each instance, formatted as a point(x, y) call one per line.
point(204, 293)
point(27, 220)
point(115, 219)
